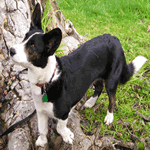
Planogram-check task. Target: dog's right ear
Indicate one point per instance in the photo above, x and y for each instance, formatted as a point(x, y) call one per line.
point(36, 18)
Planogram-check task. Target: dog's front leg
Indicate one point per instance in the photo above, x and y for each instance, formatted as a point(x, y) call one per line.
point(41, 115)
point(65, 132)
point(43, 129)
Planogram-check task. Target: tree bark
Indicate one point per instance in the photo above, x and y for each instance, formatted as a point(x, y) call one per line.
point(14, 24)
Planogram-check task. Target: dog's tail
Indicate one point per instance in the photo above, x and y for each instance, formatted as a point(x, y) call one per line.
point(132, 68)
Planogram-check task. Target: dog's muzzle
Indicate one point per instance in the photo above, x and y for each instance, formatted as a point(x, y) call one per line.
point(12, 52)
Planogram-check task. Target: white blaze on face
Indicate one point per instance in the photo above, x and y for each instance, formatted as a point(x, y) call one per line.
point(21, 56)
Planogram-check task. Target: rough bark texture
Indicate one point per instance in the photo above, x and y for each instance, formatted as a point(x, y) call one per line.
point(14, 23)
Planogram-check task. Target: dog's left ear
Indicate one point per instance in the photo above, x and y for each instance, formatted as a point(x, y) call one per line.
point(36, 18)
point(52, 40)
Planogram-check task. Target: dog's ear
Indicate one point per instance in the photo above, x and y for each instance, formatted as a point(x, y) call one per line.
point(36, 18)
point(52, 40)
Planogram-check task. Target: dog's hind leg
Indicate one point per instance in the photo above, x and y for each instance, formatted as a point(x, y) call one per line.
point(98, 84)
point(111, 87)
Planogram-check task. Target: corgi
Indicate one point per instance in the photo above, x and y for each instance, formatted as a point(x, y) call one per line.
point(65, 80)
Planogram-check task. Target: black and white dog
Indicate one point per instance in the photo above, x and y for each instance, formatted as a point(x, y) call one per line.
point(65, 80)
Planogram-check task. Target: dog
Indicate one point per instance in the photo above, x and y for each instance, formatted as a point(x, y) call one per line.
point(65, 80)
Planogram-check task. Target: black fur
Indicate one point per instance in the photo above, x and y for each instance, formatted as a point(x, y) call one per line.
point(99, 58)
point(36, 18)
point(40, 46)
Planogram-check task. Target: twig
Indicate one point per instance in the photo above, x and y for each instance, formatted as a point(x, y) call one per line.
point(98, 21)
point(133, 136)
point(143, 116)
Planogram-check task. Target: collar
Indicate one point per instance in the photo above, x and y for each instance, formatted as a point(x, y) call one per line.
point(45, 84)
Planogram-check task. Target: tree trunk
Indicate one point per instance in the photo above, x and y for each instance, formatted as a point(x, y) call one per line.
point(14, 24)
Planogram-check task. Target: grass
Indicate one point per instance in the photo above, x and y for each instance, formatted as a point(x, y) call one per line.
point(46, 19)
point(119, 18)
point(128, 21)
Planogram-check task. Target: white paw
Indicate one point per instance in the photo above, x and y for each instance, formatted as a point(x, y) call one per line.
point(67, 136)
point(41, 141)
point(109, 118)
point(91, 102)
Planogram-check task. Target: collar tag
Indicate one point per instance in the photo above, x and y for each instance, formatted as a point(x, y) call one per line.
point(45, 99)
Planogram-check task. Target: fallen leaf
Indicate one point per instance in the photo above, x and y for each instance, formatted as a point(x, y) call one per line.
point(2, 56)
point(141, 22)
point(13, 78)
point(148, 29)
point(1, 29)
point(98, 21)
point(5, 92)
point(5, 22)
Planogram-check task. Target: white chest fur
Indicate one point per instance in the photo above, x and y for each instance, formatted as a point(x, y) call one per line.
point(41, 107)
point(42, 75)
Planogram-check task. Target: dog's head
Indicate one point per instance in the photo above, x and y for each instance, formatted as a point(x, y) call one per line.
point(37, 46)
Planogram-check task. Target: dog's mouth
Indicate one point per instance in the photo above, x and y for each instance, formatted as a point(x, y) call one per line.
point(18, 61)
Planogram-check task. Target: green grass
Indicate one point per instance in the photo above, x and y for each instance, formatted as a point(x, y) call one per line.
point(119, 18)
point(46, 19)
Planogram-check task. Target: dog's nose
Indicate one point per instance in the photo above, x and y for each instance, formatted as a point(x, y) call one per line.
point(12, 51)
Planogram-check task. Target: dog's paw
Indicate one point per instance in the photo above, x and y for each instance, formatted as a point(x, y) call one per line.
point(41, 141)
point(109, 118)
point(68, 136)
point(91, 102)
